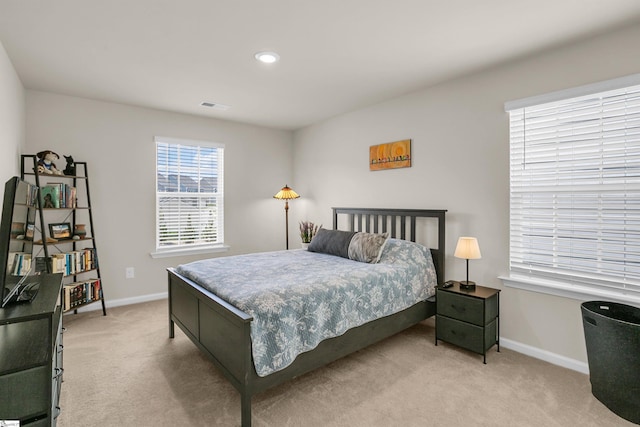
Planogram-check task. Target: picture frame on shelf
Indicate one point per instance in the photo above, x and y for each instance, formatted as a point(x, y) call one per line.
point(60, 230)
point(29, 232)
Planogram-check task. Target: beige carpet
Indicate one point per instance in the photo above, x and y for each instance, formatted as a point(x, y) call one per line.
point(123, 370)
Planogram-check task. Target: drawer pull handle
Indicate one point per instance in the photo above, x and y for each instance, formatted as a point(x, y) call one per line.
point(458, 309)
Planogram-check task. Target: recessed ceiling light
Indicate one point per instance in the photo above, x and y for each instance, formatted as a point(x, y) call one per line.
point(267, 57)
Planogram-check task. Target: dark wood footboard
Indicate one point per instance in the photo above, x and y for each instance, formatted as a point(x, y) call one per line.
point(223, 333)
point(218, 328)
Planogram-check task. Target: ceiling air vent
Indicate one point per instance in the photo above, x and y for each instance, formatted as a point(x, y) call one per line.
point(215, 106)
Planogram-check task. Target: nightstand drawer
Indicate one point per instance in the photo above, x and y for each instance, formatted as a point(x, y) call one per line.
point(461, 307)
point(466, 335)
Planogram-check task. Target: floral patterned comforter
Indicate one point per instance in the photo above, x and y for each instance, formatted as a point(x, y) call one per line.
point(299, 298)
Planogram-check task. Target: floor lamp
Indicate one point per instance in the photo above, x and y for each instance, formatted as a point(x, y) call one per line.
point(286, 194)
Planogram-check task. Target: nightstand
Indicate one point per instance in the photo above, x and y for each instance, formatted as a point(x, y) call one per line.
point(468, 318)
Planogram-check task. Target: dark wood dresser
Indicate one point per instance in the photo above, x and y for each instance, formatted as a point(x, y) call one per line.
point(31, 356)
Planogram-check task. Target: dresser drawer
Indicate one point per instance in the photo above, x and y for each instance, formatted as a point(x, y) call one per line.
point(25, 393)
point(466, 335)
point(42, 422)
point(461, 307)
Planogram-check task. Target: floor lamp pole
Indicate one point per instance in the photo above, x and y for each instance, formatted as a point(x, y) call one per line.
point(286, 221)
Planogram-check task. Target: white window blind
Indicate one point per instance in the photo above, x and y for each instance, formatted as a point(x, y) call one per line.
point(575, 191)
point(190, 194)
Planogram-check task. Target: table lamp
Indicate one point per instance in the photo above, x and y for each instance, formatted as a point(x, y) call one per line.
point(467, 248)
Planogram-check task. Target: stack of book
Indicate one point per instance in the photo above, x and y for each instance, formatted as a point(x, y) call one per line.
point(79, 293)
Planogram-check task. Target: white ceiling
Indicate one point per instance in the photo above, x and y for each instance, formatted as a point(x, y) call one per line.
point(336, 55)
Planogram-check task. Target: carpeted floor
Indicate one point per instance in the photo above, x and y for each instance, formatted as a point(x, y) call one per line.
point(123, 370)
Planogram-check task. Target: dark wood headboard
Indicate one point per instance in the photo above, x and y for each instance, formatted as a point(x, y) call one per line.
point(374, 220)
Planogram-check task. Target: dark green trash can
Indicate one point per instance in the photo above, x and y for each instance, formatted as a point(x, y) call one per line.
point(612, 335)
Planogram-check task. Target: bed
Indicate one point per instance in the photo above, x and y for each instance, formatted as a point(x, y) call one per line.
point(223, 331)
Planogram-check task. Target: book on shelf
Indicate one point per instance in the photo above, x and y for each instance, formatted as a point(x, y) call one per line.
point(18, 263)
point(41, 264)
point(74, 262)
point(31, 195)
point(58, 195)
point(11, 260)
point(32, 198)
point(80, 293)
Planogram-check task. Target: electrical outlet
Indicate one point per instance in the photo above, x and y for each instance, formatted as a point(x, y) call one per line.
point(129, 273)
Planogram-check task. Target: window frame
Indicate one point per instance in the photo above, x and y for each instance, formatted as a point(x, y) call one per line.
point(555, 285)
point(195, 248)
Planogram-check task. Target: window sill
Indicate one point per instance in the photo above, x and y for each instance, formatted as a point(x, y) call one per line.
point(166, 253)
point(577, 292)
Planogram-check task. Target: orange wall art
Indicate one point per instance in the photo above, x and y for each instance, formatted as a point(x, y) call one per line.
point(391, 155)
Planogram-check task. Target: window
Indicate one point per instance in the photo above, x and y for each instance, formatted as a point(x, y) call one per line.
point(189, 196)
point(575, 191)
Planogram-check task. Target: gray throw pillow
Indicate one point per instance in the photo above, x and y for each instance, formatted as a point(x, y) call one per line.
point(332, 242)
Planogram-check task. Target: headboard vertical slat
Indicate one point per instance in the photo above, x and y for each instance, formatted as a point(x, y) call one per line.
point(413, 228)
point(393, 226)
point(403, 227)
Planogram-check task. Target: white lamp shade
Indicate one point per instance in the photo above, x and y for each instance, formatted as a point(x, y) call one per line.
point(467, 248)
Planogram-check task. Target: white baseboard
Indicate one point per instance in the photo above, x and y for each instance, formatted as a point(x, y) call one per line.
point(124, 301)
point(545, 355)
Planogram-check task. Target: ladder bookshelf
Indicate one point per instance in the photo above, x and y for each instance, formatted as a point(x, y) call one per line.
point(67, 244)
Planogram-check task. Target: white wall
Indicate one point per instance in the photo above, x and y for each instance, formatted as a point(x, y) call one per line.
point(460, 150)
point(117, 142)
point(12, 118)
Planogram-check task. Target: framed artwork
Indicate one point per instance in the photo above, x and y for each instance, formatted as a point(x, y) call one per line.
point(391, 155)
point(29, 232)
point(60, 230)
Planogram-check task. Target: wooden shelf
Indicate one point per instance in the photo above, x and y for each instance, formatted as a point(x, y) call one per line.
point(77, 273)
point(48, 175)
point(75, 307)
point(61, 209)
point(61, 241)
